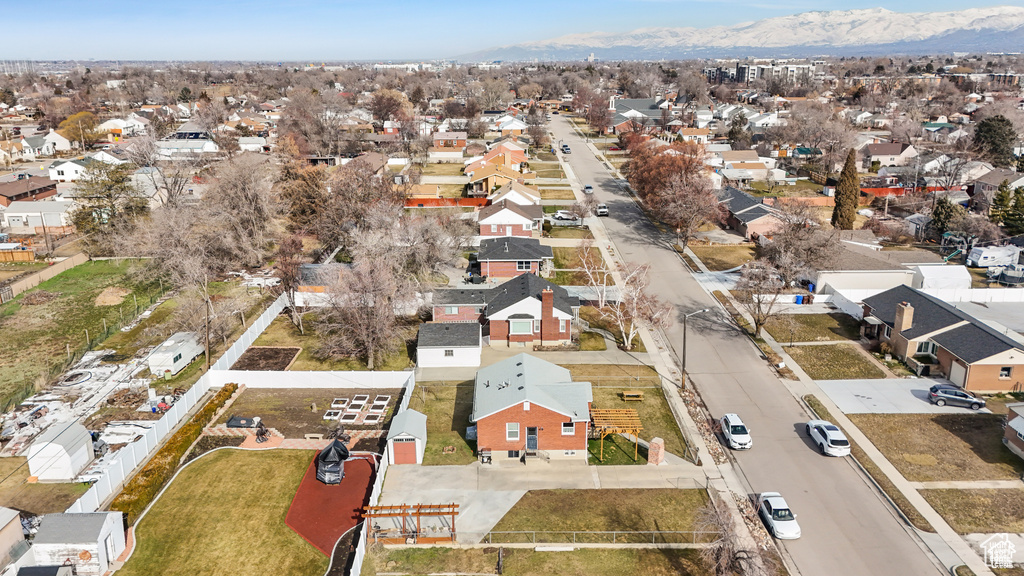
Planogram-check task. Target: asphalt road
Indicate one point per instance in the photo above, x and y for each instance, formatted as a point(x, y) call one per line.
point(847, 529)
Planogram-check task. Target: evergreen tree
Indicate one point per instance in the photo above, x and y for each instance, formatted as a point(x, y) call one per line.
point(847, 194)
point(946, 216)
point(994, 138)
point(1013, 222)
point(1002, 202)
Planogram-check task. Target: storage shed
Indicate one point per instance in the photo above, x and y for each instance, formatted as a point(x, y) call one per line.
point(60, 452)
point(407, 438)
point(92, 541)
point(448, 345)
point(175, 353)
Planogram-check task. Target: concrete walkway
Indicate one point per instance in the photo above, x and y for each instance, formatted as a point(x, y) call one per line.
point(970, 485)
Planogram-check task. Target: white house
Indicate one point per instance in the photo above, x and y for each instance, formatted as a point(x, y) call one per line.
point(91, 542)
point(517, 194)
point(69, 170)
point(252, 143)
point(448, 345)
point(407, 438)
point(107, 157)
point(57, 142)
point(22, 217)
point(177, 148)
point(60, 452)
point(175, 353)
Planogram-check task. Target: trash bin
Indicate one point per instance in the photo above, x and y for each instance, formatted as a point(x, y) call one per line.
point(799, 299)
point(810, 287)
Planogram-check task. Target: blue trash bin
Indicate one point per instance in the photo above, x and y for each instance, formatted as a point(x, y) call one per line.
point(799, 299)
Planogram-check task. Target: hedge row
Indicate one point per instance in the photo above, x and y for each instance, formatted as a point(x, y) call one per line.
point(144, 487)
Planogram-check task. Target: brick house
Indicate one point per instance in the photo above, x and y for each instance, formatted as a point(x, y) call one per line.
point(450, 140)
point(460, 305)
point(32, 188)
point(746, 214)
point(524, 407)
point(927, 332)
point(1013, 434)
point(511, 256)
point(492, 176)
point(510, 219)
point(890, 153)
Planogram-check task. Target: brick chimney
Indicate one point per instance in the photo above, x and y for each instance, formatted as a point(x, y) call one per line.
point(904, 317)
point(548, 323)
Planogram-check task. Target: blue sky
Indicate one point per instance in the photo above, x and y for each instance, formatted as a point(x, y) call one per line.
point(320, 30)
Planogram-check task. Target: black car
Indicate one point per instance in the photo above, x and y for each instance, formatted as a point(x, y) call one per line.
point(943, 394)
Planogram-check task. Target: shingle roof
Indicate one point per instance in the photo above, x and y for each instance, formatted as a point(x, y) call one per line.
point(743, 206)
point(76, 528)
point(974, 342)
point(528, 286)
point(410, 423)
point(524, 378)
point(528, 212)
point(513, 248)
point(449, 335)
point(31, 184)
point(887, 149)
point(451, 296)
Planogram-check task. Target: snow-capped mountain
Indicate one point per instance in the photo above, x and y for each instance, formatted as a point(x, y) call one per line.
point(848, 32)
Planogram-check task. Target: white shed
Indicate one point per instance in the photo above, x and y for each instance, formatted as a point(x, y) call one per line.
point(60, 452)
point(91, 541)
point(407, 438)
point(448, 345)
point(175, 353)
point(939, 276)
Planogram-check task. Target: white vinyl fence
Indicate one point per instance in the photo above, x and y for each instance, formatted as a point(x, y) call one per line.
point(251, 334)
point(322, 380)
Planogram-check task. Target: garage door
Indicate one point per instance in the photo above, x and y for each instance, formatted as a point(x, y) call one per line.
point(957, 373)
point(404, 450)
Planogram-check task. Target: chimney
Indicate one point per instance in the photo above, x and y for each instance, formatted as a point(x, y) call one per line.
point(506, 246)
point(904, 317)
point(547, 315)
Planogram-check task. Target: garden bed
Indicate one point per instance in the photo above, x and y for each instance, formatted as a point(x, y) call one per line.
point(266, 358)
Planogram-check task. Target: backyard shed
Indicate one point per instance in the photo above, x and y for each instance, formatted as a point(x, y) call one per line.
point(407, 438)
point(941, 276)
point(92, 541)
point(175, 353)
point(330, 463)
point(448, 345)
point(60, 452)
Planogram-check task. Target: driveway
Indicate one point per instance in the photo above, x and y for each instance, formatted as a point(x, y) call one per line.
point(889, 396)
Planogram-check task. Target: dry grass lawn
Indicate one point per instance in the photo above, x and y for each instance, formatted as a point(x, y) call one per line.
point(653, 410)
point(450, 169)
point(569, 232)
point(17, 493)
point(834, 362)
point(980, 511)
point(593, 316)
point(283, 333)
point(566, 263)
point(447, 406)
point(718, 258)
point(557, 194)
point(813, 327)
point(942, 447)
point(214, 516)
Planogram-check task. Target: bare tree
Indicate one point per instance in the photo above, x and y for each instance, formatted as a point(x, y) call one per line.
point(593, 267)
point(635, 307)
point(289, 266)
point(759, 288)
point(687, 203)
point(800, 245)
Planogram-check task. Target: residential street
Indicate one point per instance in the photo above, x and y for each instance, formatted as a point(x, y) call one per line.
point(847, 529)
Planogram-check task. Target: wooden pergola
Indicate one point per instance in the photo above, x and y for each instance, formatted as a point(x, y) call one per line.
point(411, 528)
point(624, 421)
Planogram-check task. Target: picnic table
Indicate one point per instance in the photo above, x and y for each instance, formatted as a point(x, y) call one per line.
point(632, 395)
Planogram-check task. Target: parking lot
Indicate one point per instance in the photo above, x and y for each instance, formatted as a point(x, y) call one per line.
point(889, 396)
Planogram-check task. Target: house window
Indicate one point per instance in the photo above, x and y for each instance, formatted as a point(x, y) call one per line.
point(568, 429)
point(449, 353)
point(512, 431)
point(494, 227)
point(926, 348)
point(177, 357)
point(536, 325)
point(570, 452)
point(523, 266)
point(451, 309)
point(513, 453)
point(520, 327)
point(1020, 436)
point(528, 226)
point(1005, 371)
point(888, 332)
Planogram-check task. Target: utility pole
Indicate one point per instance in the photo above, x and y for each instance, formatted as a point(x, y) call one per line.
point(207, 333)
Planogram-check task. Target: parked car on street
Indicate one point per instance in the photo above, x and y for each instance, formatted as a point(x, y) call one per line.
point(563, 215)
point(588, 189)
point(829, 439)
point(777, 516)
point(601, 210)
point(736, 433)
point(942, 394)
point(565, 149)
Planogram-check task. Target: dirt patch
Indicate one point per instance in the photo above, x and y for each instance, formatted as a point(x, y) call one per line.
point(111, 296)
point(290, 410)
point(266, 358)
point(37, 297)
point(121, 405)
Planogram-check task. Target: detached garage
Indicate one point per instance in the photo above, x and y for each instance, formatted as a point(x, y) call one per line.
point(407, 438)
point(60, 452)
point(448, 345)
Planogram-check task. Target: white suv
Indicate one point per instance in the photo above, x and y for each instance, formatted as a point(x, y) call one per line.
point(736, 434)
point(828, 437)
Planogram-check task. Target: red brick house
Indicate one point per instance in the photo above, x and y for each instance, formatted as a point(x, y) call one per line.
point(510, 219)
point(747, 215)
point(450, 140)
point(1013, 434)
point(32, 188)
point(511, 256)
point(524, 407)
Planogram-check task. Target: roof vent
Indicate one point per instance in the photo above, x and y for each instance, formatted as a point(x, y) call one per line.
point(520, 387)
point(506, 246)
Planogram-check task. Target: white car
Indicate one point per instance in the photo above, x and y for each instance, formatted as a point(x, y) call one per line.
point(777, 516)
point(588, 189)
point(563, 215)
point(736, 433)
point(828, 437)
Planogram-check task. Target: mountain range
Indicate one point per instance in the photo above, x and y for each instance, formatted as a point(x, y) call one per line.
point(874, 31)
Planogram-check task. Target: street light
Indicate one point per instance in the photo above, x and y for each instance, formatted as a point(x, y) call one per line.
point(685, 316)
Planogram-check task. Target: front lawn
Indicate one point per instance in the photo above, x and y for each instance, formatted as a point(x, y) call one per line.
point(224, 514)
point(813, 327)
point(447, 406)
point(592, 342)
point(593, 316)
point(569, 232)
point(834, 362)
point(719, 258)
point(655, 415)
point(980, 511)
point(557, 194)
point(632, 510)
point(942, 447)
point(566, 264)
point(547, 169)
point(449, 169)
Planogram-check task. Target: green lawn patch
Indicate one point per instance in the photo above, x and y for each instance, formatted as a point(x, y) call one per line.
point(834, 362)
point(942, 447)
point(447, 406)
point(221, 509)
point(593, 316)
point(719, 258)
point(570, 232)
point(592, 342)
point(655, 415)
point(283, 333)
point(979, 511)
point(566, 260)
point(450, 169)
point(813, 327)
point(618, 451)
point(553, 209)
point(546, 157)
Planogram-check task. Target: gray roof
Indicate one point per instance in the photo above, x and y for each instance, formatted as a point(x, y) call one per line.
point(35, 141)
point(743, 206)
point(70, 435)
point(77, 528)
point(35, 207)
point(971, 342)
point(471, 296)
point(409, 423)
point(449, 335)
point(53, 570)
point(526, 378)
point(528, 286)
point(530, 212)
point(513, 248)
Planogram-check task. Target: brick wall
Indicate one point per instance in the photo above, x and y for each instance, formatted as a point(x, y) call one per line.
point(491, 431)
point(504, 230)
point(985, 378)
point(1015, 444)
point(506, 269)
point(464, 314)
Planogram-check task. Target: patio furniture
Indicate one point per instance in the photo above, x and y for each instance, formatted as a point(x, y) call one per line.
point(632, 395)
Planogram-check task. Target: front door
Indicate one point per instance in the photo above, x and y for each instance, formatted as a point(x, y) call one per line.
point(531, 438)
